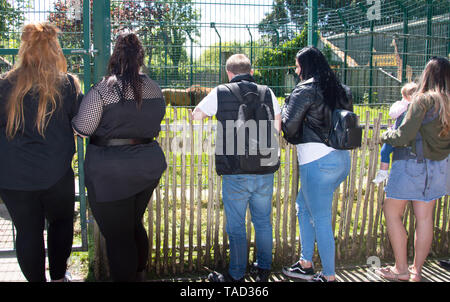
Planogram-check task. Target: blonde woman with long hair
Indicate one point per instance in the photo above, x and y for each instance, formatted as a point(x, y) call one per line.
point(419, 171)
point(38, 99)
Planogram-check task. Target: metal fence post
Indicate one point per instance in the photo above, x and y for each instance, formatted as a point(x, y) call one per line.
point(213, 25)
point(166, 52)
point(80, 141)
point(405, 43)
point(345, 44)
point(102, 37)
point(251, 44)
point(429, 28)
point(191, 62)
point(312, 22)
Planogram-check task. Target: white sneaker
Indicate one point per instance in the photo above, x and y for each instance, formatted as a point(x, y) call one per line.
point(381, 176)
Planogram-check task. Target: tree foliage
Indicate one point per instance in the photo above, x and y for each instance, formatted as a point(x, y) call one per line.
point(162, 26)
point(274, 64)
point(12, 17)
point(287, 17)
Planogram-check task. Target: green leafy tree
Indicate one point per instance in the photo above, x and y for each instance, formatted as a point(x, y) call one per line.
point(287, 18)
point(162, 26)
point(12, 18)
point(71, 28)
point(209, 60)
point(273, 65)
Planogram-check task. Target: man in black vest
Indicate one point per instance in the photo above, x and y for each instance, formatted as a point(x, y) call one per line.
point(247, 155)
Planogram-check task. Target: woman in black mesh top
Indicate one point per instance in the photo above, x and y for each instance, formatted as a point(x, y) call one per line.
point(122, 116)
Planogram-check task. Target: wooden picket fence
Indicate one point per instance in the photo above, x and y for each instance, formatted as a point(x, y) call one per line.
point(186, 221)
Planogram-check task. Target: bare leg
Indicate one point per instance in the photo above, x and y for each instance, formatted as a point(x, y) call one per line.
point(393, 211)
point(423, 211)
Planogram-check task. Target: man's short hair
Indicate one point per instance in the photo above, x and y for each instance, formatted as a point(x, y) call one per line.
point(238, 64)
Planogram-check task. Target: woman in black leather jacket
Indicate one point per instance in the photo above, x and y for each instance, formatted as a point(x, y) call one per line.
point(306, 121)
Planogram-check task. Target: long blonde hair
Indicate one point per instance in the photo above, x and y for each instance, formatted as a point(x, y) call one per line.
point(434, 84)
point(40, 69)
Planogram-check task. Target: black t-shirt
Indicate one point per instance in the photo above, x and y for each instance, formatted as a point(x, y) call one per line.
point(29, 161)
point(118, 172)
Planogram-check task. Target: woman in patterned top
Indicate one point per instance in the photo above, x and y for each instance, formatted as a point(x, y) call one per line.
point(122, 115)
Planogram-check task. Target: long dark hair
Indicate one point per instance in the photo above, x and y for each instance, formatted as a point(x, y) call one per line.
point(313, 64)
point(126, 61)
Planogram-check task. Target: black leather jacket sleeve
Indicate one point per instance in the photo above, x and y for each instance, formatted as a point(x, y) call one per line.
point(295, 109)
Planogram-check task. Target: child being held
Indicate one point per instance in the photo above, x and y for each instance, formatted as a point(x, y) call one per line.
point(397, 112)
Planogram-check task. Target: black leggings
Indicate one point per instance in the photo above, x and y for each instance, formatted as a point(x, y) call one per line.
point(28, 210)
point(120, 222)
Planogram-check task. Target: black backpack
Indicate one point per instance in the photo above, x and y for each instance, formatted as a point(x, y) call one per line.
point(254, 108)
point(345, 132)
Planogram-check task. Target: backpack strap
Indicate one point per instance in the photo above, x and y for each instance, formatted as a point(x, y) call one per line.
point(262, 93)
point(262, 90)
point(235, 90)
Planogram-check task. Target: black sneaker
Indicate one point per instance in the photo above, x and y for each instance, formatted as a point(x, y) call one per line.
point(445, 264)
point(297, 271)
point(319, 277)
point(218, 277)
point(261, 275)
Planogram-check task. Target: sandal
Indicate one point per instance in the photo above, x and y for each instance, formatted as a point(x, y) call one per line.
point(415, 276)
point(388, 273)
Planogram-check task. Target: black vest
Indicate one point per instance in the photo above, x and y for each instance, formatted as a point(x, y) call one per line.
point(228, 109)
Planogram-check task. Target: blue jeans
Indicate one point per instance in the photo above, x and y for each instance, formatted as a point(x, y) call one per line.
point(318, 180)
point(385, 153)
point(238, 192)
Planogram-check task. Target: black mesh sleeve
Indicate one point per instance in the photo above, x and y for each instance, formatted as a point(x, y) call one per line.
point(89, 114)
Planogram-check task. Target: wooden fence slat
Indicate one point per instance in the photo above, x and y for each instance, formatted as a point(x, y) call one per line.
point(166, 204)
point(362, 156)
point(183, 196)
point(286, 199)
point(342, 217)
point(199, 197)
point(158, 231)
point(224, 240)
point(444, 225)
point(294, 192)
point(277, 257)
point(191, 195)
point(150, 228)
point(336, 195)
point(174, 209)
point(217, 254)
point(351, 194)
point(210, 194)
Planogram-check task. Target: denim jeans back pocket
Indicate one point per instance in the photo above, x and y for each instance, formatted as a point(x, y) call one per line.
point(328, 166)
